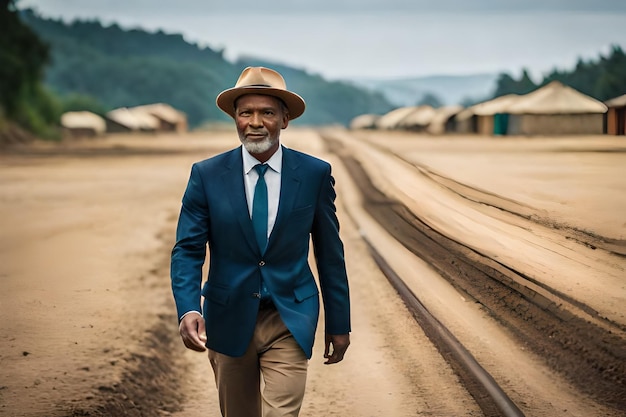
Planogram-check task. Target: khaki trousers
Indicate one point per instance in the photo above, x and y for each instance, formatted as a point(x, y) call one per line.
point(275, 356)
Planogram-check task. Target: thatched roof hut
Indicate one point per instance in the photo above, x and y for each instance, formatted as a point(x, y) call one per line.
point(556, 109)
point(82, 124)
point(418, 119)
point(390, 120)
point(556, 98)
point(616, 116)
point(364, 121)
point(441, 121)
point(126, 119)
point(480, 118)
point(170, 119)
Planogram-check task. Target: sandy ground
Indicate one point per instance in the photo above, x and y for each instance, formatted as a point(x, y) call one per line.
point(486, 222)
point(575, 182)
point(87, 325)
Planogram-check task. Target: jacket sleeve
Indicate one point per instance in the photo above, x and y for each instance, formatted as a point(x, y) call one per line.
point(329, 256)
point(189, 251)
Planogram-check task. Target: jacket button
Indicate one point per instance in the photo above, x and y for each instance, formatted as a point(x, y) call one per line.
point(262, 263)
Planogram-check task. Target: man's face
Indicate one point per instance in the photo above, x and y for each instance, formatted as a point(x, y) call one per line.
point(259, 120)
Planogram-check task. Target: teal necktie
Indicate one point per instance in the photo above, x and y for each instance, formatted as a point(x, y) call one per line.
point(259, 208)
point(259, 218)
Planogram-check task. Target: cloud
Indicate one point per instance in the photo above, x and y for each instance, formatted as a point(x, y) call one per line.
point(95, 8)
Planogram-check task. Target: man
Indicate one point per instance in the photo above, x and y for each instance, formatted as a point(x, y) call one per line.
point(261, 302)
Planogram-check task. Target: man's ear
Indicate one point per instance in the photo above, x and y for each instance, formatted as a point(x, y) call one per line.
point(285, 121)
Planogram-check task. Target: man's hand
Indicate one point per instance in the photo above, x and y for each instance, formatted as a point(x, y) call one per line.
point(340, 344)
point(192, 331)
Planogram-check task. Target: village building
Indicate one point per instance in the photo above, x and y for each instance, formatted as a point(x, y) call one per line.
point(555, 109)
point(82, 124)
point(443, 121)
point(417, 120)
point(486, 118)
point(390, 120)
point(616, 116)
point(364, 121)
point(126, 119)
point(170, 119)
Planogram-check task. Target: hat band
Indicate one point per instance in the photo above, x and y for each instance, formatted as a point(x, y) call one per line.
point(259, 85)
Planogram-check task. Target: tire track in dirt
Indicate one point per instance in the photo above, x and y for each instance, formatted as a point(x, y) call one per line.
point(591, 240)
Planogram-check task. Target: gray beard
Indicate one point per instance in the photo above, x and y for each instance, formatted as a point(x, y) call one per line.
point(258, 147)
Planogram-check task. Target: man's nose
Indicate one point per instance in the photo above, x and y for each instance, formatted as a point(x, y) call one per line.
point(256, 120)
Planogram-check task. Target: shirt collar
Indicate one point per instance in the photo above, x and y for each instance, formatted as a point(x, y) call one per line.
point(249, 161)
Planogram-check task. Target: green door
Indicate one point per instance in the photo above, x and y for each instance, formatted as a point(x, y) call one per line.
point(500, 124)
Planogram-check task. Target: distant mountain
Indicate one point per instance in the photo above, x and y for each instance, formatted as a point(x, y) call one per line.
point(449, 89)
point(123, 68)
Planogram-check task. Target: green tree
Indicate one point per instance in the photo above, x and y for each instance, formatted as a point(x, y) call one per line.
point(602, 79)
point(430, 99)
point(22, 59)
point(611, 81)
point(508, 85)
point(505, 85)
point(39, 111)
point(525, 85)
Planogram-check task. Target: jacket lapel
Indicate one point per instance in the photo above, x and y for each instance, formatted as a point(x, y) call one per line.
point(290, 184)
point(235, 191)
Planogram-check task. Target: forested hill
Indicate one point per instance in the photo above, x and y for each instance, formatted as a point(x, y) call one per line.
point(122, 68)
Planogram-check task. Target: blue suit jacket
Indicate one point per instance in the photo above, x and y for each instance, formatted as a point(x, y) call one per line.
point(214, 211)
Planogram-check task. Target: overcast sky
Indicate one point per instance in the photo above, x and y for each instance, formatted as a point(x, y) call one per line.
point(378, 38)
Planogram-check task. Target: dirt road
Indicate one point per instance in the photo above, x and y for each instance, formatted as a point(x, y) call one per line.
point(88, 326)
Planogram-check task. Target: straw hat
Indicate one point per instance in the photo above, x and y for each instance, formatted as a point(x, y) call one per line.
point(260, 80)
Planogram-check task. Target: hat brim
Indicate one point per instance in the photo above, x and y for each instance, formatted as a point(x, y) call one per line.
point(226, 99)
